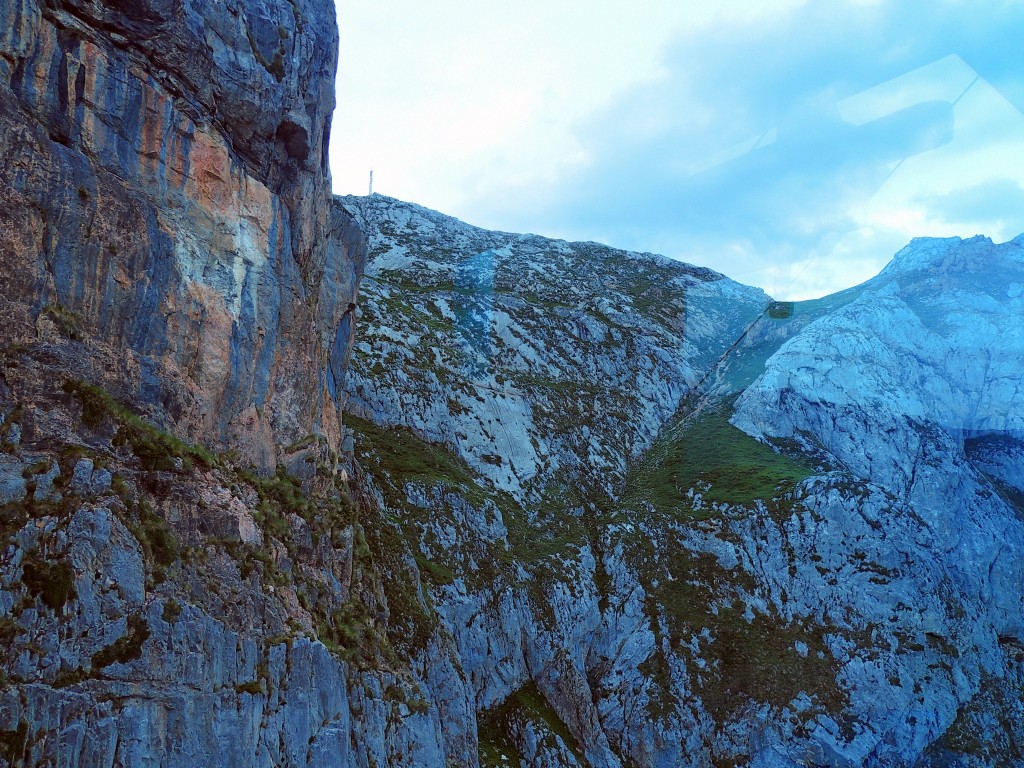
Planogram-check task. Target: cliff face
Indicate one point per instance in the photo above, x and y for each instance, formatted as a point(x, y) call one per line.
point(165, 184)
point(173, 270)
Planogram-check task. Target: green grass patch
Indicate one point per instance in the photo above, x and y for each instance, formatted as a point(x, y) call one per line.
point(562, 388)
point(154, 448)
point(305, 442)
point(401, 457)
point(494, 742)
point(54, 583)
point(395, 456)
point(398, 304)
point(706, 448)
point(353, 635)
point(494, 727)
point(750, 656)
point(125, 648)
point(327, 511)
point(274, 66)
point(9, 630)
point(68, 323)
point(757, 660)
point(68, 677)
point(252, 687)
point(435, 572)
point(987, 729)
point(158, 542)
point(280, 495)
point(172, 610)
point(412, 621)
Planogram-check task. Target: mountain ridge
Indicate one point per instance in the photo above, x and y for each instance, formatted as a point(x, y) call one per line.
point(818, 495)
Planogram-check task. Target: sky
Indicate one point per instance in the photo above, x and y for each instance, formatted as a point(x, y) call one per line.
point(795, 146)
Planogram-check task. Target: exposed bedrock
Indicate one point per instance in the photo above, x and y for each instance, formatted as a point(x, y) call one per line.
point(165, 187)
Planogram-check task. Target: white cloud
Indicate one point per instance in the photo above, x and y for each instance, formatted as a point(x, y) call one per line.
point(792, 145)
point(985, 151)
point(448, 100)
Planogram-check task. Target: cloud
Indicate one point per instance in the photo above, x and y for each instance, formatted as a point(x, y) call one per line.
point(995, 201)
point(779, 149)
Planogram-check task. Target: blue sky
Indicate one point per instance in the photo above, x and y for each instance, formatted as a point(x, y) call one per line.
point(794, 146)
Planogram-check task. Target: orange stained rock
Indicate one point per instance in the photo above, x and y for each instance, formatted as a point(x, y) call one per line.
point(209, 180)
point(257, 208)
point(94, 60)
point(41, 71)
point(180, 138)
point(330, 425)
point(211, 353)
point(151, 143)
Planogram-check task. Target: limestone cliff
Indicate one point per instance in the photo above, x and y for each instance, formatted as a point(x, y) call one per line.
point(165, 184)
point(176, 295)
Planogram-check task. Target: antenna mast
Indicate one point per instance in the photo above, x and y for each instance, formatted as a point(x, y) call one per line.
point(371, 182)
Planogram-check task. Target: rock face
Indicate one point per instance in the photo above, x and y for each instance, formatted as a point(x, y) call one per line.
point(173, 270)
point(587, 507)
point(165, 191)
point(532, 359)
point(639, 582)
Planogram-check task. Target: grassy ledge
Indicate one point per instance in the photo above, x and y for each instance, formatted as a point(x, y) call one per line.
point(706, 450)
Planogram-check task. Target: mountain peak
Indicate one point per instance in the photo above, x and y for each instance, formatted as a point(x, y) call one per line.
point(952, 255)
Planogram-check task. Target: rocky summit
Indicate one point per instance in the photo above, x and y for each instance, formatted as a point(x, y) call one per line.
point(289, 479)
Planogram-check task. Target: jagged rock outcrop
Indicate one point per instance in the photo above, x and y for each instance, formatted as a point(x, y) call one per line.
point(915, 387)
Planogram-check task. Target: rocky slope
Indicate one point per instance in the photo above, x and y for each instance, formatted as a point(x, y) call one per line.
point(632, 580)
point(532, 359)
